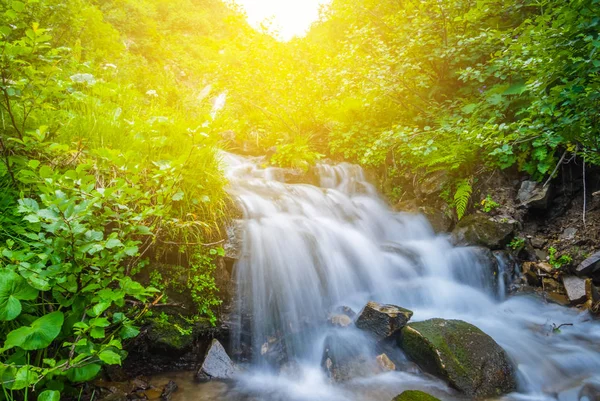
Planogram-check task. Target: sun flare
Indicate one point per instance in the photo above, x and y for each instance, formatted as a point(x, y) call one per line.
point(290, 17)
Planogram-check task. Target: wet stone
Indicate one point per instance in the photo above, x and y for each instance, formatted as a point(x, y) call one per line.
point(460, 353)
point(415, 395)
point(217, 365)
point(575, 289)
point(589, 266)
point(382, 321)
point(385, 363)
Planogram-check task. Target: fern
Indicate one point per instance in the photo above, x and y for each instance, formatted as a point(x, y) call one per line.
point(462, 196)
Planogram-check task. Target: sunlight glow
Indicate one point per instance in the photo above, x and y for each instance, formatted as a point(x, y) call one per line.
point(290, 17)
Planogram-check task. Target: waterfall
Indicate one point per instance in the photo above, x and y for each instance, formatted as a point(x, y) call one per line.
point(308, 250)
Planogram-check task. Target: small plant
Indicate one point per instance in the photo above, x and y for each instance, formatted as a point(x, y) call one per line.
point(488, 204)
point(559, 262)
point(462, 196)
point(517, 243)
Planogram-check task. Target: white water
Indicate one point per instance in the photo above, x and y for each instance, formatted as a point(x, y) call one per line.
point(309, 249)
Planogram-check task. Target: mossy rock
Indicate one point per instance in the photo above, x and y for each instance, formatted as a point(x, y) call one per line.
point(460, 353)
point(479, 229)
point(415, 395)
point(167, 337)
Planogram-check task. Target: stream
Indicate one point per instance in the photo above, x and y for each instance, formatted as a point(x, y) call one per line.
point(308, 250)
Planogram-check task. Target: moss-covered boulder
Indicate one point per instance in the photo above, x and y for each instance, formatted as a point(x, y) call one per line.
point(415, 395)
point(169, 337)
point(480, 229)
point(458, 352)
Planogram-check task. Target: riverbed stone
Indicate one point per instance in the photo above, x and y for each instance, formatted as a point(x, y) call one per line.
point(385, 363)
point(490, 232)
point(533, 194)
point(589, 266)
point(575, 289)
point(217, 365)
point(381, 320)
point(415, 395)
point(345, 357)
point(460, 353)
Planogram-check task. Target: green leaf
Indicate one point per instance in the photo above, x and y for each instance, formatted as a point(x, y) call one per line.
point(128, 331)
point(110, 357)
point(13, 289)
point(49, 395)
point(178, 196)
point(516, 89)
point(45, 172)
point(17, 6)
point(83, 373)
point(39, 335)
point(24, 378)
point(97, 332)
point(113, 242)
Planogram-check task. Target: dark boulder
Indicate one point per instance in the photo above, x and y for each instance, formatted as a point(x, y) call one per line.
point(415, 395)
point(217, 365)
point(589, 266)
point(458, 352)
point(382, 321)
point(490, 232)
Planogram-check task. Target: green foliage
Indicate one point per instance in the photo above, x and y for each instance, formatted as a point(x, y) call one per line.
point(98, 177)
point(517, 243)
point(297, 154)
point(462, 197)
point(558, 261)
point(488, 204)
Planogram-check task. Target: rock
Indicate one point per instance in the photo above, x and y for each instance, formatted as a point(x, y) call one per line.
point(385, 363)
point(217, 365)
point(568, 233)
point(346, 356)
point(538, 242)
point(169, 389)
point(164, 336)
point(432, 184)
point(575, 289)
point(466, 357)
point(534, 195)
point(559, 299)
point(402, 250)
point(233, 244)
point(479, 229)
point(551, 284)
point(382, 321)
point(340, 320)
point(440, 221)
point(345, 310)
point(589, 266)
point(415, 395)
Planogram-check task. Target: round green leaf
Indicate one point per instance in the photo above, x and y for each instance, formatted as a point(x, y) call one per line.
point(110, 357)
point(37, 336)
point(49, 395)
point(13, 288)
point(83, 373)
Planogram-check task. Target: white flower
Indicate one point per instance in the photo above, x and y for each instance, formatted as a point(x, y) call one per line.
point(152, 93)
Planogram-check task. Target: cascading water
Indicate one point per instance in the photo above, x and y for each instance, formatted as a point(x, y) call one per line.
point(310, 249)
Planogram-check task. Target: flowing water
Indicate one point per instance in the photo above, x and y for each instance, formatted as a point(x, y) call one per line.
point(309, 249)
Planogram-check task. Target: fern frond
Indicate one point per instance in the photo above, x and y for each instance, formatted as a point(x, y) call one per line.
point(462, 196)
